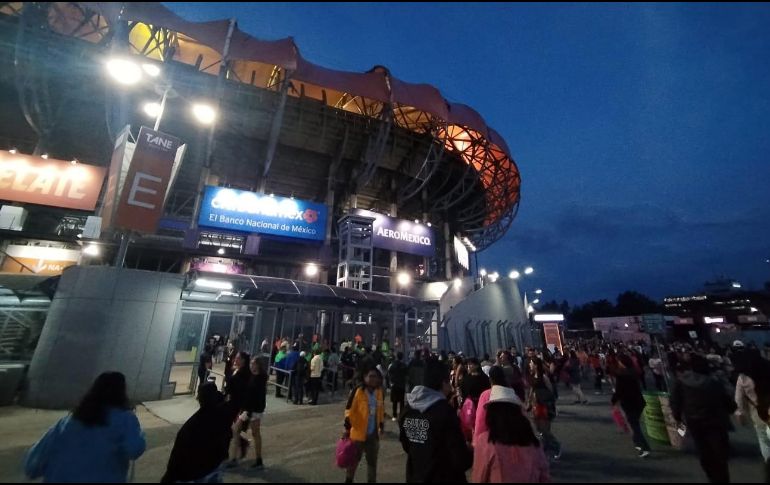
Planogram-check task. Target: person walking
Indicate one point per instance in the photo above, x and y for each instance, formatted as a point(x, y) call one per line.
point(397, 376)
point(497, 377)
point(628, 395)
point(542, 403)
point(254, 407)
point(93, 444)
point(365, 423)
point(656, 366)
point(237, 389)
point(508, 451)
point(316, 373)
point(201, 444)
point(703, 404)
point(205, 363)
point(573, 369)
point(430, 432)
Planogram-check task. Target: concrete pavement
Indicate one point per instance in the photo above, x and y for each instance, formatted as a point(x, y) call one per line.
point(299, 442)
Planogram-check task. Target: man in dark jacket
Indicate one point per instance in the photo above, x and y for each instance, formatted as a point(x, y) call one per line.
point(629, 394)
point(301, 371)
point(704, 404)
point(430, 431)
point(415, 371)
point(202, 442)
point(397, 376)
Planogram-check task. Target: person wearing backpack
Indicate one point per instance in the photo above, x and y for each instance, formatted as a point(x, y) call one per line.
point(430, 433)
point(365, 423)
point(471, 388)
point(93, 444)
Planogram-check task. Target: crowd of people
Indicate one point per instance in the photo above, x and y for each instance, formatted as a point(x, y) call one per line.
point(490, 418)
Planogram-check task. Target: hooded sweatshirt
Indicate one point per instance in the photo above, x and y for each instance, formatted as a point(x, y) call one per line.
point(431, 436)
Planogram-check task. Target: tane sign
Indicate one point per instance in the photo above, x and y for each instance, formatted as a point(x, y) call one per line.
point(399, 234)
point(36, 180)
point(244, 211)
point(144, 191)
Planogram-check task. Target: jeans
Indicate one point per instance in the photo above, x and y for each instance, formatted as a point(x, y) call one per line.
point(551, 445)
point(299, 390)
point(660, 382)
point(598, 379)
point(633, 418)
point(370, 448)
point(763, 438)
point(315, 388)
point(713, 446)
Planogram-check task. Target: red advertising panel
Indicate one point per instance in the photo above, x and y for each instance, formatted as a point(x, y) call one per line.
point(552, 336)
point(141, 201)
point(37, 180)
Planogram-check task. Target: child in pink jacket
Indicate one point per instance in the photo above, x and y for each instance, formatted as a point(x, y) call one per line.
point(508, 451)
point(496, 378)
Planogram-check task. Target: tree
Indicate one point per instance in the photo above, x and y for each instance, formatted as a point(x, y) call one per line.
point(582, 316)
point(551, 306)
point(634, 303)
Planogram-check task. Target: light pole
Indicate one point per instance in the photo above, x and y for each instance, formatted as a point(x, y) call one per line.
point(127, 72)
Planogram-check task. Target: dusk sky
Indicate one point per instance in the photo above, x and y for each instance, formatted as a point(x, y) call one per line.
point(642, 132)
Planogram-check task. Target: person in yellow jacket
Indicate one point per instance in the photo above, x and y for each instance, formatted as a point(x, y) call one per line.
point(364, 423)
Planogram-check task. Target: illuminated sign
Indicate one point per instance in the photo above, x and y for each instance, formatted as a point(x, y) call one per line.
point(714, 319)
point(546, 317)
point(399, 234)
point(38, 259)
point(462, 253)
point(144, 191)
point(244, 211)
point(36, 180)
point(552, 336)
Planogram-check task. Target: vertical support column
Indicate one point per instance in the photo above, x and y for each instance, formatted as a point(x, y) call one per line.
point(206, 165)
point(425, 220)
point(275, 131)
point(447, 251)
point(393, 254)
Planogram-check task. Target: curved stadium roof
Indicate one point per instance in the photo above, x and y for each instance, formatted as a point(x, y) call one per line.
point(418, 107)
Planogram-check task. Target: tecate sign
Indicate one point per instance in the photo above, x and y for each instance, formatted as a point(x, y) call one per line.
point(400, 235)
point(25, 178)
point(244, 211)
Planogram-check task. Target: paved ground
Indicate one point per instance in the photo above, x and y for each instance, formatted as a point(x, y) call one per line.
point(299, 446)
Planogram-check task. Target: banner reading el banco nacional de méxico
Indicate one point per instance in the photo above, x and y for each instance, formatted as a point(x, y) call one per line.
point(244, 211)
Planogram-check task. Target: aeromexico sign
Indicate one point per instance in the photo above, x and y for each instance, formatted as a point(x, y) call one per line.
point(240, 210)
point(400, 234)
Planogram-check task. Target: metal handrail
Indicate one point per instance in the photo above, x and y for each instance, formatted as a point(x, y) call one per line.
point(282, 386)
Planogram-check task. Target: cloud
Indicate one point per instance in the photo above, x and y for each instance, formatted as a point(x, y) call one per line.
point(588, 252)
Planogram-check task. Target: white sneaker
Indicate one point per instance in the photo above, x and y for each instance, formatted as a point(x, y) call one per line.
point(644, 454)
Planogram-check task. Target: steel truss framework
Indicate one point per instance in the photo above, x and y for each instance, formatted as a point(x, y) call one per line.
point(453, 188)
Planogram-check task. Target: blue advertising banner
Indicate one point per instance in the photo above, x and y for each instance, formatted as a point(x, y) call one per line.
point(240, 210)
point(400, 234)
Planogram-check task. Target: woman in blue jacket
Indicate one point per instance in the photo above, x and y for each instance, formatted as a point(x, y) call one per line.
point(93, 444)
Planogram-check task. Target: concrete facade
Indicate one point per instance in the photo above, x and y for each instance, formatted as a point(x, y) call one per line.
point(105, 319)
point(486, 320)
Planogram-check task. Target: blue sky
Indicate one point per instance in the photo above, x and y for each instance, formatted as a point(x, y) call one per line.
point(642, 131)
